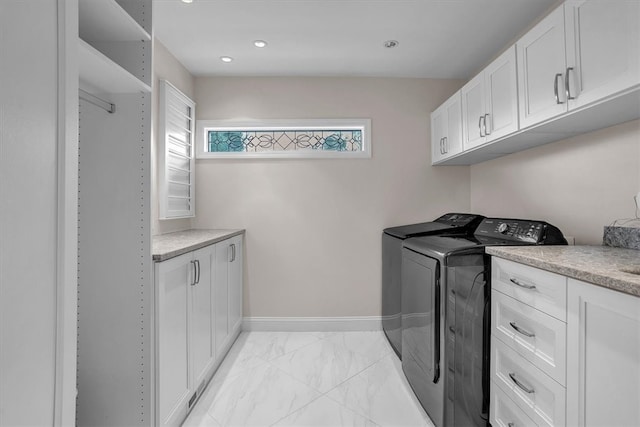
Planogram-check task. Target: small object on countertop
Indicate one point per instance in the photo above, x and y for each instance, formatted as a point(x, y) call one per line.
point(621, 237)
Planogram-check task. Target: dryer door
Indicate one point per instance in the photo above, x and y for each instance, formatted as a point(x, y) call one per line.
point(421, 330)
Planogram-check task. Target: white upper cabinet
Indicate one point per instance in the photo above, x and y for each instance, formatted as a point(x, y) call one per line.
point(576, 71)
point(603, 45)
point(581, 53)
point(490, 102)
point(501, 91)
point(541, 70)
point(473, 100)
point(446, 129)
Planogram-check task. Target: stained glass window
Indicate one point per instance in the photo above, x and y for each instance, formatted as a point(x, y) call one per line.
point(325, 138)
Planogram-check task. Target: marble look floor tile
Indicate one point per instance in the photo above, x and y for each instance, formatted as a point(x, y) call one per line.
point(257, 397)
point(269, 345)
point(324, 412)
point(322, 365)
point(237, 360)
point(372, 345)
point(197, 419)
point(380, 394)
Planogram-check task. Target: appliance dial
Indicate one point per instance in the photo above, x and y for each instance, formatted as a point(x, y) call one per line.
point(503, 228)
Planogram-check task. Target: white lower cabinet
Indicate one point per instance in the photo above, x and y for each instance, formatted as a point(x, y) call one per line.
point(545, 372)
point(173, 278)
point(227, 290)
point(504, 411)
point(235, 279)
point(195, 293)
point(603, 347)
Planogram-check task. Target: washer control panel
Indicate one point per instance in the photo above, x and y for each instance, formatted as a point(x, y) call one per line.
point(516, 230)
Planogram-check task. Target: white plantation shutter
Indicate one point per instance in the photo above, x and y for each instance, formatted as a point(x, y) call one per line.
point(176, 165)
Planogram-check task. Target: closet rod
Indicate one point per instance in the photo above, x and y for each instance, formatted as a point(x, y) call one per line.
point(108, 106)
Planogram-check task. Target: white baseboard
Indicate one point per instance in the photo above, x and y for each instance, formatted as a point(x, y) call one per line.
point(312, 324)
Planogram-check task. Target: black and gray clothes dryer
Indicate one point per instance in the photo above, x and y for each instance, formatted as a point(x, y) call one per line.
point(392, 238)
point(446, 312)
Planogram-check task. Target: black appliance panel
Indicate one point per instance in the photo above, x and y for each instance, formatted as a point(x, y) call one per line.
point(392, 238)
point(421, 318)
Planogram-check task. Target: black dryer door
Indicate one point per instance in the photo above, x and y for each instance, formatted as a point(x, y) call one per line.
point(421, 330)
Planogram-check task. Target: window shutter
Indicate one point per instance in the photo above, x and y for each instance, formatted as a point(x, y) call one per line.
point(176, 166)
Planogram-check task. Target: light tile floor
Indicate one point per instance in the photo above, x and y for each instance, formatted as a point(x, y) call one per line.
point(309, 379)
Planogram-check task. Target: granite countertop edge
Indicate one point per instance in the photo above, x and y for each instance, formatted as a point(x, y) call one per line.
point(171, 245)
point(595, 266)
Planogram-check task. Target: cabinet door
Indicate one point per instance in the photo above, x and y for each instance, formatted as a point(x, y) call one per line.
point(446, 129)
point(201, 327)
point(501, 91)
point(603, 347)
point(173, 279)
point(235, 283)
point(541, 68)
point(221, 294)
point(437, 134)
point(603, 44)
point(453, 125)
point(473, 111)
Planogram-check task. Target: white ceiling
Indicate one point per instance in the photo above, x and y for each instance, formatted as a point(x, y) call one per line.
point(437, 38)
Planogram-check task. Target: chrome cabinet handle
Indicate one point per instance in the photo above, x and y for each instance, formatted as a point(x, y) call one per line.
point(198, 265)
point(487, 130)
point(522, 331)
point(233, 252)
point(445, 142)
point(441, 151)
point(555, 88)
point(524, 388)
point(522, 285)
point(195, 272)
point(480, 126)
point(567, 88)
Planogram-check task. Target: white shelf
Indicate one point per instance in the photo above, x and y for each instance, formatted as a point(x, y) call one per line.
point(106, 20)
point(104, 75)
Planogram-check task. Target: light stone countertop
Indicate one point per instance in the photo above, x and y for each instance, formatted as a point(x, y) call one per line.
point(605, 266)
point(170, 245)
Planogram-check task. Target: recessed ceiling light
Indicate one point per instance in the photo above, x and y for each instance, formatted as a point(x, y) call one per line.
point(391, 43)
point(226, 59)
point(260, 43)
point(187, 1)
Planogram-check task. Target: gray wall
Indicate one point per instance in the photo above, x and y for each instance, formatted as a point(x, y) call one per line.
point(579, 184)
point(314, 226)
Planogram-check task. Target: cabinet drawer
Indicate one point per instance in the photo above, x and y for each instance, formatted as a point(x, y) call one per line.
point(538, 337)
point(535, 393)
point(537, 288)
point(504, 411)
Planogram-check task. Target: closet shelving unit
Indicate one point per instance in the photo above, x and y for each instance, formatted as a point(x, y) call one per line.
point(116, 377)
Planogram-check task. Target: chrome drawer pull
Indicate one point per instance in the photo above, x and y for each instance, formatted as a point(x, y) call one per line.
point(522, 285)
point(521, 385)
point(522, 331)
